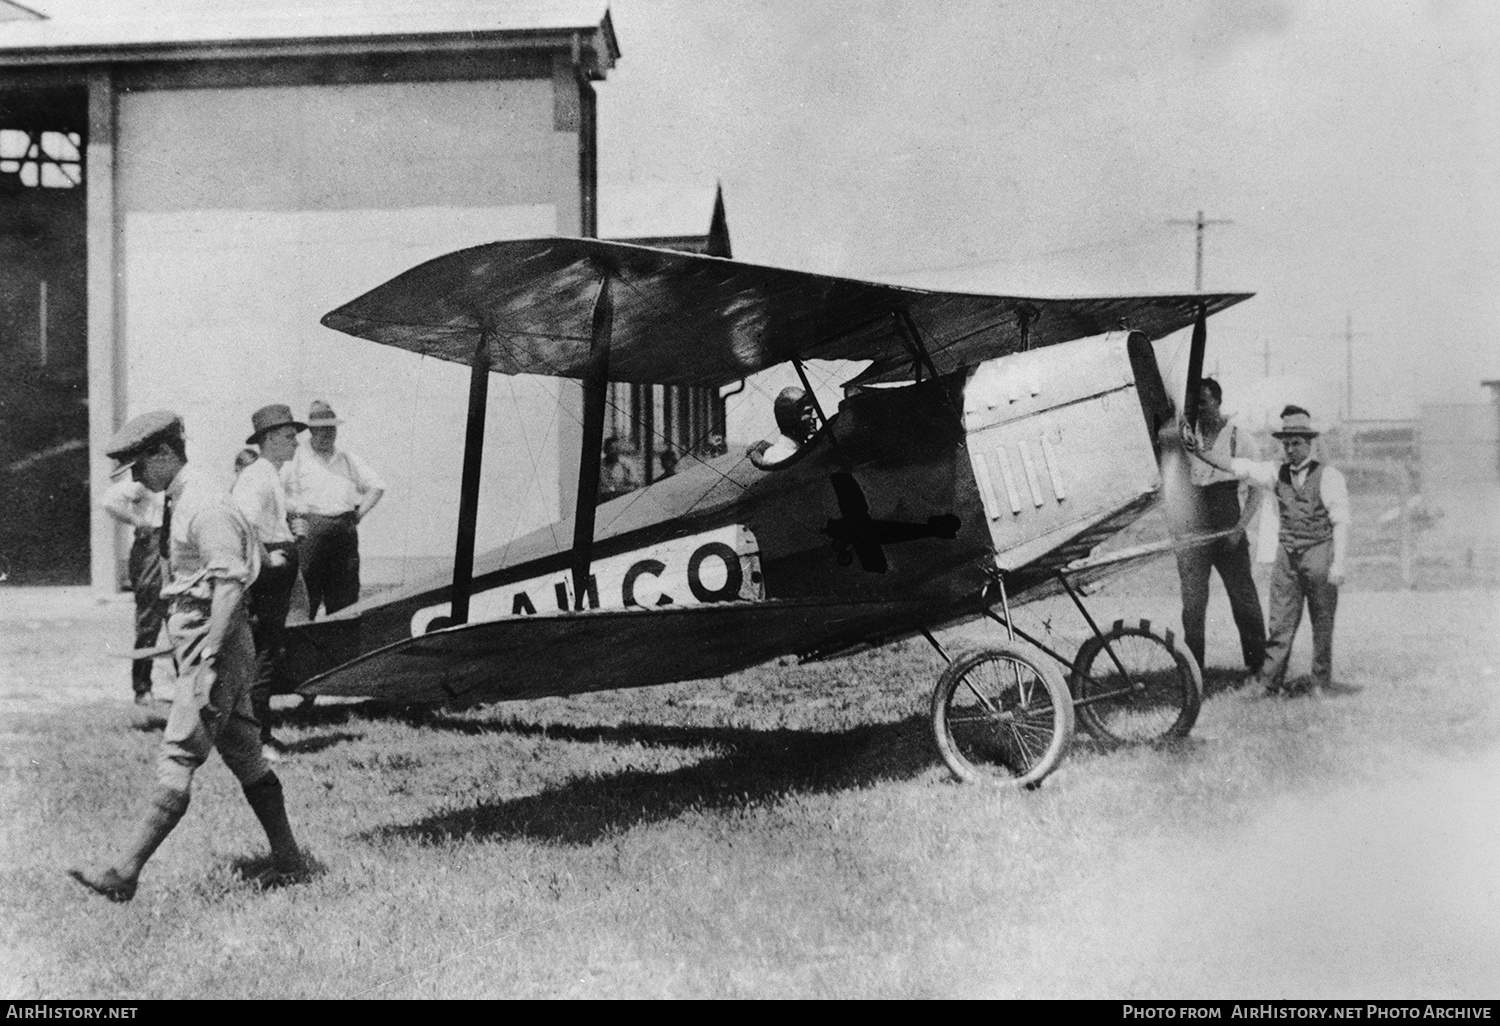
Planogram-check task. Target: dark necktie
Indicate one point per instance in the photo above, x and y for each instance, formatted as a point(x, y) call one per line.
point(164, 546)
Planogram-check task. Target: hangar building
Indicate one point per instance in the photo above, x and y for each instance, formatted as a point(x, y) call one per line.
point(187, 186)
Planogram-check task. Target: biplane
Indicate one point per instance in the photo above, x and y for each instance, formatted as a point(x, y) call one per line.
point(987, 448)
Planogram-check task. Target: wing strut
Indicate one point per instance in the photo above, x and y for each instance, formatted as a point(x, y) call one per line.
point(1195, 366)
point(912, 336)
point(468, 495)
point(595, 394)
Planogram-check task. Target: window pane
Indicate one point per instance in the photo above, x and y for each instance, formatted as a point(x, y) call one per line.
point(59, 176)
point(13, 143)
point(59, 146)
point(28, 174)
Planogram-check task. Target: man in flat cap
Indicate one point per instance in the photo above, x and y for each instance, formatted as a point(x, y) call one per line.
point(1313, 500)
point(212, 557)
point(330, 491)
point(261, 498)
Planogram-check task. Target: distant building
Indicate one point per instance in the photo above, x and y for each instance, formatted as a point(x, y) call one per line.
point(186, 187)
point(1460, 446)
point(655, 418)
point(1460, 482)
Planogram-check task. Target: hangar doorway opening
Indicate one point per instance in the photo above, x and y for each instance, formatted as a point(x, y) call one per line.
point(44, 416)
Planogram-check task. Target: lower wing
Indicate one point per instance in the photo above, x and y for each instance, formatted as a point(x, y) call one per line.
point(534, 656)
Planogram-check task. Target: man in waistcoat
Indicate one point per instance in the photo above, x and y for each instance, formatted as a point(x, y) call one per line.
point(1313, 501)
point(1213, 504)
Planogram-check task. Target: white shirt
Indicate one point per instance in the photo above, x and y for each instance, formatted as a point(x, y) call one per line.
point(1229, 444)
point(133, 504)
point(328, 488)
point(210, 539)
point(260, 496)
point(781, 449)
point(1333, 490)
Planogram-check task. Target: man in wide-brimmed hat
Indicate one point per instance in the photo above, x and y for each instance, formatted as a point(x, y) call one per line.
point(1313, 500)
point(212, 557)
point(330, 491)
point(260, 496)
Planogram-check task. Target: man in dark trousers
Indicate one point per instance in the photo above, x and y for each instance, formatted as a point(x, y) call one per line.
point(211, 559)
point(329, 491)
point(1313, 502)
point(1213, 504)
point(261, 498)
point(136, 506)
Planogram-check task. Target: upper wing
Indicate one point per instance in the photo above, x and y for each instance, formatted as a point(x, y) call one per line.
point(569, 653)
point(688, 319)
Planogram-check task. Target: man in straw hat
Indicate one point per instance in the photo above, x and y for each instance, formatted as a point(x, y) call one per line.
point(330, 491)
point(260, 496)
point(211, 558)
point(1314, 543)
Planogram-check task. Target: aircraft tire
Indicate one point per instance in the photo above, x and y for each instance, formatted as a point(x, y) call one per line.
point(1002, 715)
point(1159, 703)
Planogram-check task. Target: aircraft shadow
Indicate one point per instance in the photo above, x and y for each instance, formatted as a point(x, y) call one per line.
point(751, 767)
point(309, 745)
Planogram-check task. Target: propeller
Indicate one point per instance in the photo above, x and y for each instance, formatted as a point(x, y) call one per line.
point(1195, 366)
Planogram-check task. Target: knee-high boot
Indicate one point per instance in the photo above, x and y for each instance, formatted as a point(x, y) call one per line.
point(117, 883)
point(267, 799)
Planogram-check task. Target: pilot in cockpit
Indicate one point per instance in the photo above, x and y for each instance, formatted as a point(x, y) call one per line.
point(796, 419)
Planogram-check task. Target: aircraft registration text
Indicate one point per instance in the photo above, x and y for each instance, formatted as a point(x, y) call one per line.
point(722, 565)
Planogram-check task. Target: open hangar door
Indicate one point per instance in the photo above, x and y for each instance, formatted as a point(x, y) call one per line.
point(44, 420)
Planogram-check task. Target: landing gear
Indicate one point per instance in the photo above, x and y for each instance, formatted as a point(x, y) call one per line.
point(1133, 686)
point(1002, 714)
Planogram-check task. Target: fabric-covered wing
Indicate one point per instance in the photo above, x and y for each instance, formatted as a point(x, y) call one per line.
point(688, 319)
point(535, 656)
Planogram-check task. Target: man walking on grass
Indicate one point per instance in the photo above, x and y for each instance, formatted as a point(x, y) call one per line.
point(211, 558)
point(1314, 544)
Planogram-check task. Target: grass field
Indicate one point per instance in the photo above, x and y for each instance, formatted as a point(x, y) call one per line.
point(784, 832)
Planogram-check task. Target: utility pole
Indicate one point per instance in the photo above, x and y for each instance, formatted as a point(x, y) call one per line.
point(1267, 358)
point(1198, 225)
point(1349, 367)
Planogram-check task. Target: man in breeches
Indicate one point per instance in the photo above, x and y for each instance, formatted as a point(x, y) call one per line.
point(211, 558)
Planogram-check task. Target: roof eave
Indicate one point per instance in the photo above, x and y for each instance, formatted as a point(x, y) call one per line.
point(600, 41)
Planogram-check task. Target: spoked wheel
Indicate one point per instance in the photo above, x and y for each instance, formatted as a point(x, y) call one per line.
point(1133, 686)
point(1002, 714)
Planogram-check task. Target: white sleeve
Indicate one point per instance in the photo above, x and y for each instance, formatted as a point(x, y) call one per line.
point(366, 480)
point(1334, 491)
point(249, 496)
point(119, 501)
point(291, 484)
point(1261, 473)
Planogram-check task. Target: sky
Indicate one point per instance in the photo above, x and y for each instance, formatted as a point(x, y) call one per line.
point(1351, 149)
